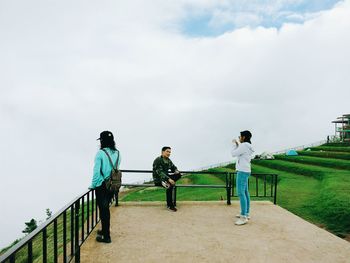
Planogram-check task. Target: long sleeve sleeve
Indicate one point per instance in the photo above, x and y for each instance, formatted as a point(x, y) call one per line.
point(173, 168)
point(119, 160)
point(237, 150)
point(96, 178)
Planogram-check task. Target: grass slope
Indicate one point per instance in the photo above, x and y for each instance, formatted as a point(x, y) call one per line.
point(323, 199)
point(318, 161)
point(314, 185)
point(331, 149)
point(295, 193)
point(329, 155)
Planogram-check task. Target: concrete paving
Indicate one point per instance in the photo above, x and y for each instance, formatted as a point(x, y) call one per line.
point(205, 232)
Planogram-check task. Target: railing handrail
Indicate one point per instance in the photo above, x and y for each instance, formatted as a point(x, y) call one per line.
point(192, 172)
point(9, 254)
point(40, 228)
point(229, 177)
point(184, 172)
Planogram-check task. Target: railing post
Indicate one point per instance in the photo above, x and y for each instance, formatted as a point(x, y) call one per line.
point(174, 196)
point(30, 252)
point(275, 193)
point(88, 214)
point(55, 245)
point(72, 230)
point(82, 218)
point(92, 209)
point(233, 184)
point(64, 237)
point(116, 196)
point(77, 245)
point(96, 210)
point(44, 245)
point(228, 191)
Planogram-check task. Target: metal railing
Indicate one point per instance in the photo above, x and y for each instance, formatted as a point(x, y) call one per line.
point(77, 220)
point(268, 182)
point(79, 217)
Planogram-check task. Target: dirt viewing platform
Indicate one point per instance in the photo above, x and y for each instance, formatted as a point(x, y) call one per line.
point(205, 232)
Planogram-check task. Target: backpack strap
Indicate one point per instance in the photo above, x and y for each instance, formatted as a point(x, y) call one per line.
point(110, 160)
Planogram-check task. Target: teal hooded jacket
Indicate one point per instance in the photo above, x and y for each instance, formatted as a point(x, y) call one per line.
point(102, 166)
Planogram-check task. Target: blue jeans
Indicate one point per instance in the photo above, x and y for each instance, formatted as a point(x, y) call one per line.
point(243, 192)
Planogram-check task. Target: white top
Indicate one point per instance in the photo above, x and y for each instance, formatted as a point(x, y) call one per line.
point(243, 152)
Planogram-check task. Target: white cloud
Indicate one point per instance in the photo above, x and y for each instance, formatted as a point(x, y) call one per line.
point(222, 18)
point(74, 69)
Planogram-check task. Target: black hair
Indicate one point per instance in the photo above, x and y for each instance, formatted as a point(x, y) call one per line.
point(108, 144)
point(165, 148)
point(247, 136)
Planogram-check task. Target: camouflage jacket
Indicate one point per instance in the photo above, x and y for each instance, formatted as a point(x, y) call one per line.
point(161, 168)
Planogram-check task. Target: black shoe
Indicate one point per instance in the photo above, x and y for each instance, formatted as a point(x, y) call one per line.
point(172, 208)
point(103, 240)
point(99, 232)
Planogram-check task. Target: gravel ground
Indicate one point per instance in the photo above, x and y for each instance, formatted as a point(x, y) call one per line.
point(205, 232)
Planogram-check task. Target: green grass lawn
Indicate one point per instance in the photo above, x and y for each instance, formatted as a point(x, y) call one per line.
point(314, 171)
point(314, 185)
point(329, 155)
point(338, 144)
point(317, 193)
point(318, 161)
point(296, 193)
point(190, 194)
point(331, 149)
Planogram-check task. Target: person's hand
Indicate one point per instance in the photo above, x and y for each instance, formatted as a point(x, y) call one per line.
point(171, 181)
point(235, 141)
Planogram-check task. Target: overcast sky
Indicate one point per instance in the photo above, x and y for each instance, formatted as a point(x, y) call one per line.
point(189, 74)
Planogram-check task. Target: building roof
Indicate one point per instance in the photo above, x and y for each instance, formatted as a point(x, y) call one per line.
point(340, 121)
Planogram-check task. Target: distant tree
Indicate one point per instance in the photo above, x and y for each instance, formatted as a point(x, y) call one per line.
point(48, 213)
point(30, 226)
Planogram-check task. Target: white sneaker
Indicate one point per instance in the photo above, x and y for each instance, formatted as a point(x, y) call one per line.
point(241, 221)
point(239, 216)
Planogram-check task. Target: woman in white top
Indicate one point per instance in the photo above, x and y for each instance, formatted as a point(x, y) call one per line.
point(243, 151)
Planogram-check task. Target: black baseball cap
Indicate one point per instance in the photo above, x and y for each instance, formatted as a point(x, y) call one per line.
point(106, 135)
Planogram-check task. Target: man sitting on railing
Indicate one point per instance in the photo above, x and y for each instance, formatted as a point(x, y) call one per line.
point(162, 165)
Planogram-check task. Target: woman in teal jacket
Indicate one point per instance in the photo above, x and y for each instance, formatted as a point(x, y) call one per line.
point(102, 171)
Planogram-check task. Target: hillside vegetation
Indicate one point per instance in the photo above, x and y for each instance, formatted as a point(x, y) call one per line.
point(314, 185)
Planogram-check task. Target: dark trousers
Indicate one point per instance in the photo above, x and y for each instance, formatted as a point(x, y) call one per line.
point(103, 199)
point(170, 190)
